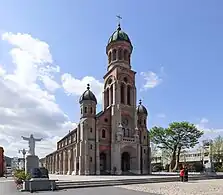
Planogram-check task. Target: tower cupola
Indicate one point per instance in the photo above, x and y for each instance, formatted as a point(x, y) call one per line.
point(87, 95)
point(88, 103)
point(140, 109)
point(119, 49)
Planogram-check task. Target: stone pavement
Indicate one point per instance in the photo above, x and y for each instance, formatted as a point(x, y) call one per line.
point(7, 187)
point(204, 187)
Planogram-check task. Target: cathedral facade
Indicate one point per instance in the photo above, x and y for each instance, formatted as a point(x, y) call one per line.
point(115, 140)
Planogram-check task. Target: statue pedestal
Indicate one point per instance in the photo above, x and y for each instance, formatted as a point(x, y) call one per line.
point(32, 161)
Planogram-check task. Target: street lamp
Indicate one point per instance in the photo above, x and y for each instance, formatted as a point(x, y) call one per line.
point(23, 151)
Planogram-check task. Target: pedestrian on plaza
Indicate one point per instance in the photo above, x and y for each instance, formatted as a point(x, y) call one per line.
point(182, 174)
point(185, 174)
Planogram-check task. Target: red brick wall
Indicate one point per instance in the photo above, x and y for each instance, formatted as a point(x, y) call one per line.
point(1, 161)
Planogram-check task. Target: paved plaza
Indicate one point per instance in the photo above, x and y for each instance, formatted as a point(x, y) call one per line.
point(205, 187)
point(7, 187)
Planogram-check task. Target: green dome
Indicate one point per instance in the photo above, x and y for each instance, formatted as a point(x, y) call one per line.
point(119, 35)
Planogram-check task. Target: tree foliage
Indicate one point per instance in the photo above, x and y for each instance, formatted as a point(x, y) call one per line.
point(178, 136)
point(217, 149)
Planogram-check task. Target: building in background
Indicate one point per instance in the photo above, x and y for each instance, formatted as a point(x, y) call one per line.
point(202, 155)
point(115, 140)
point(2, 162)
point(42, 162)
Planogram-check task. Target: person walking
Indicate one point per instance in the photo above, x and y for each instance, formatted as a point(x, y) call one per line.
point(182, 174)
point(185, 174)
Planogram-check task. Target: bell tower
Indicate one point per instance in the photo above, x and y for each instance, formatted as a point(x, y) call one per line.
point(120, 92)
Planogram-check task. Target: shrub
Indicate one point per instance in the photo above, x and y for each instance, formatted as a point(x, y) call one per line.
point(21, 176)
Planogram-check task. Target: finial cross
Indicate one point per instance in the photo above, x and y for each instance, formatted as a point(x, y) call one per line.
point(119, 18)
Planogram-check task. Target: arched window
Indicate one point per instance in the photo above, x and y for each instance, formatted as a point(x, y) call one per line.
point(103, 133)
point(91, 110)
point(144, 121)
point(122, 93)
point(85, 109)
point(128, 133)
point(114, 52)
point(109, 57)
point(107, 96)
point(128, 95)
point(110, 81)
point(120, 54)
point(81, 111)
point(125, 55)
point(123, 130)
point(111, 94)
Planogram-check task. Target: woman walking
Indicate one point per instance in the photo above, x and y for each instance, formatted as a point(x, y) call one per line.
point(182, 174)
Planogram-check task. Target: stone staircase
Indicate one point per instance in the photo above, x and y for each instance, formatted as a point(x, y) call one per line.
point(84, 184)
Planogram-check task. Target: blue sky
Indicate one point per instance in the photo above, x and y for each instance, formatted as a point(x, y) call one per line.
point(180, 41)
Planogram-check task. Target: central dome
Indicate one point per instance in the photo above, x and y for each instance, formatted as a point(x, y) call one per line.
point(119, 35)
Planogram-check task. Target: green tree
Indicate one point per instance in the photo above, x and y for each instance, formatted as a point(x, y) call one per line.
point(217, 149)
point(178, 136)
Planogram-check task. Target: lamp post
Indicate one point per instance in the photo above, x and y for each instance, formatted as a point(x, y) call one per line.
point(23, 151)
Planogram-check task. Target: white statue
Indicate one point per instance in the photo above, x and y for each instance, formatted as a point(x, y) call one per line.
point(32, 141)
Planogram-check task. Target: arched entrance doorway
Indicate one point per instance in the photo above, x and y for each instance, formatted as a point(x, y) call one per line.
point(102, 162)
point(125, 161)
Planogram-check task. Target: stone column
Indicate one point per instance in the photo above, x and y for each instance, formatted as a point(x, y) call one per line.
point(61, 162)
point(56, 166)
point(50, 164)
point(54, 161)
point(81, 165)
point(64, 162)
point(74, 161)
point(87, 171)
point(118, 160)
point(139, 159)
point(97, 160)
point(68, 162)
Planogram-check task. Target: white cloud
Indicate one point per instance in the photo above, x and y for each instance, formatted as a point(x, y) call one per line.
point(152, 79)
point(25, 107)
point(161, 115)
point(32, 59)
point(209, 132)
point(2, 71)
point(73, 86)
